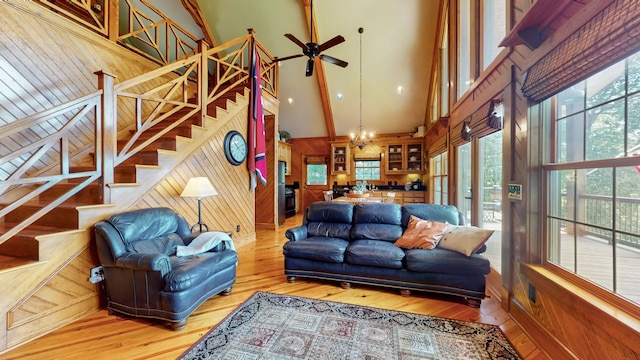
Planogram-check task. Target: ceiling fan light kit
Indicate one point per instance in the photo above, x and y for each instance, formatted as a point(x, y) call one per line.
point(362, 138)
point(313, 49)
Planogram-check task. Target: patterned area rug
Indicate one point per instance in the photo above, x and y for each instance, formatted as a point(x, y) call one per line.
point(271, 326)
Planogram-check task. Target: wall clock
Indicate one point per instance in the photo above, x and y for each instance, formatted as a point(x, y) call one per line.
point(235, 147)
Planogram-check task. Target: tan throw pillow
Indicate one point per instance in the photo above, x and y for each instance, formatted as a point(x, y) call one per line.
point(421, 234)
point(464, 239)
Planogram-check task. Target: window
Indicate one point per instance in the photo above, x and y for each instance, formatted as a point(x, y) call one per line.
point(494, 29)
point(367, 169)
point(444, 71)
point(464, 47)
point(316, 174)
point(439, 178)
point(593, 179)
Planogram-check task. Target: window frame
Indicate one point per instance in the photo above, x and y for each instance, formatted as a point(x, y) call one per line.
point(550, 164)
point(356, 167)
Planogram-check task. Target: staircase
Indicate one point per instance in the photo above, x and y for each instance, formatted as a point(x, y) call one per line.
point(68, 227)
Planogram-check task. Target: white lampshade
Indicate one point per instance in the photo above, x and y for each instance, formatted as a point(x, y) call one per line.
point(199, 187)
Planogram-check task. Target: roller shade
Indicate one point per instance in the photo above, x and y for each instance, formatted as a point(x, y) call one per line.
point(606, 39)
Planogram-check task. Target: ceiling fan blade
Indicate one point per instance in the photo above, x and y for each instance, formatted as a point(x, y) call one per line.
point(309, 70)
point(288, 57)
point(296, 41)
point(332, 60)
point(331, 43)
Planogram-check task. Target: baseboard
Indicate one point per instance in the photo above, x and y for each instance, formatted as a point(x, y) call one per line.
point(544, 340)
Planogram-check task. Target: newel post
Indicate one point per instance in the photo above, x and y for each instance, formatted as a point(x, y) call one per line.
point(107, 134)
point(203, 88)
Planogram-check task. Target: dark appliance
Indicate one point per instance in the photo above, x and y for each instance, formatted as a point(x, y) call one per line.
point(281, 192)
point(290, 201)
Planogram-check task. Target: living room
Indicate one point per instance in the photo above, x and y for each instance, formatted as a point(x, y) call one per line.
point(556, 314)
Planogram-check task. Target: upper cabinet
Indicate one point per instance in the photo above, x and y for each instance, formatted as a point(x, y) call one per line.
point(406, 157)
point(284, 154)
point(340, 159)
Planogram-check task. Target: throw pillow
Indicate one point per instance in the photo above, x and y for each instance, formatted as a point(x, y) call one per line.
point(464, 239)
point(421, 234)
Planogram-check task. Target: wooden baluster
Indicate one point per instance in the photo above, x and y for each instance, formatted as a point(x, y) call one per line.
point(106, 135)
point(203, 88)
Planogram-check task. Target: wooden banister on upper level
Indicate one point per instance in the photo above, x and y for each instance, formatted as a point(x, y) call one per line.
point(118, 113)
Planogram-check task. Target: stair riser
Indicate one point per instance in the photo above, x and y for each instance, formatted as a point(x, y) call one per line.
point(88, 195)
point(19, 246)
point(168, 143)
point(143, 158)
point(62, 217)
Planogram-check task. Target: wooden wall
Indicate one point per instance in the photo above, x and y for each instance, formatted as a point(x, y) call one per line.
point(563, 322)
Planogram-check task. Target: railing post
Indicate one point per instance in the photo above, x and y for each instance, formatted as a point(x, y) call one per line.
point(203, 80)
point(106, 135)
point(113, 17)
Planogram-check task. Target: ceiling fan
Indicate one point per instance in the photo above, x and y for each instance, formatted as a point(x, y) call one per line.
point(313, 49)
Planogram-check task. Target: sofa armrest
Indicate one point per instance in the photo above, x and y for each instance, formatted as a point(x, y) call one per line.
point(145, 262)
point(296, 233)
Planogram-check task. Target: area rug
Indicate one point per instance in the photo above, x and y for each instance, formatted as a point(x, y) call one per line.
point(272, 326)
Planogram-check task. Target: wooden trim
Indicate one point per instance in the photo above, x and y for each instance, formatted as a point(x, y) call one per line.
point(544, 341)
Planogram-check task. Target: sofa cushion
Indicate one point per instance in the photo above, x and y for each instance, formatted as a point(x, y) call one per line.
point(375, 253)
point(317, 248)
point(441, 213)
point(329, 219)
point(377, 213)
point(189, 271)
point(446, 262)
point(165, 244)
point(421, 234)
point(144, 224)
point(465, 239)
point(377, 221)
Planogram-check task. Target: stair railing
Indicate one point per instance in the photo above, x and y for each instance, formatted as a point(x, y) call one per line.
point(123, 111)
point(23, 173)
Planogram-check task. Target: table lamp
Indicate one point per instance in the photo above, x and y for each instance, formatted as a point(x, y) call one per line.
point(199, 187)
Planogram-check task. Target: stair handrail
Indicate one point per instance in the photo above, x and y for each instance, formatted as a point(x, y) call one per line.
point(182, 79)
point(29, 186)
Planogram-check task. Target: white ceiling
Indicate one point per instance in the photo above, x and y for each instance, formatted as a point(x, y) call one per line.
point(397, 45)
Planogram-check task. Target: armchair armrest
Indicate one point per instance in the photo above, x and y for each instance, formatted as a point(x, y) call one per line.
point(145, 262)
point(297, 233)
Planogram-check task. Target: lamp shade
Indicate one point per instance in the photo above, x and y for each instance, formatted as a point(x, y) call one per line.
point(199, 187)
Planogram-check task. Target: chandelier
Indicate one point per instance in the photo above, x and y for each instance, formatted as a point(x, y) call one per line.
point(361, 138)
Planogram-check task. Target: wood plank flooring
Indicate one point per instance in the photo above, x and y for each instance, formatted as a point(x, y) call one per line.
point(101, 336)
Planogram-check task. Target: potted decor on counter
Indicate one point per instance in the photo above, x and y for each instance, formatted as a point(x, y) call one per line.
point(360, 187)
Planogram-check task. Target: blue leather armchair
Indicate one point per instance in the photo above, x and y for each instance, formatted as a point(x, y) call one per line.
point(143, 275)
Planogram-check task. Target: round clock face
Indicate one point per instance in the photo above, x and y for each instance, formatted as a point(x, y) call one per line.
point(235, 147)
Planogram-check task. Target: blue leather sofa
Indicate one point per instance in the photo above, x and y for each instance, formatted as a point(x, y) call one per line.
point(355, 244)
point(144, 277)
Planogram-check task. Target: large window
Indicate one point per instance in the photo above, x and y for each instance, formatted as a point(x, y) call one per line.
point(494, 29)
point(367, 169)
point(593, 179)
point(465, 77)
point(439, 179)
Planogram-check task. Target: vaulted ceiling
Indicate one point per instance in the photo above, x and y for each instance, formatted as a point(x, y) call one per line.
point(397, 50)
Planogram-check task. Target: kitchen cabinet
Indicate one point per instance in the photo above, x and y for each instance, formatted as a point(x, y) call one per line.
point(403, 158)
point(340, 160)
point(284, 154)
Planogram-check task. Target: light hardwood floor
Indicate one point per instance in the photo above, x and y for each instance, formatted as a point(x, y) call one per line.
point(100, 336)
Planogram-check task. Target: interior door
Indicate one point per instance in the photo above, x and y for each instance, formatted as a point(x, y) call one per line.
point(315, 179)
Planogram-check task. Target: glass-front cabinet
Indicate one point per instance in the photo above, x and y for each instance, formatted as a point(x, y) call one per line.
point(395, 161)
point(340, 159)
point(404, 158)
point(414, 157)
